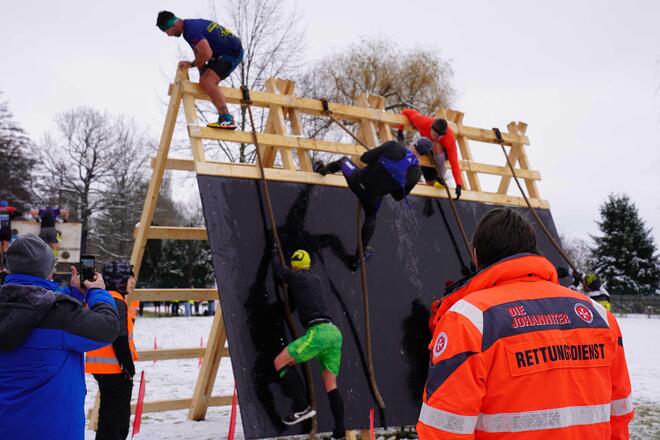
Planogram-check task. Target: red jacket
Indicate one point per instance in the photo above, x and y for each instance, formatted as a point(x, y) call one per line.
point(519, 357)
point(448, 141)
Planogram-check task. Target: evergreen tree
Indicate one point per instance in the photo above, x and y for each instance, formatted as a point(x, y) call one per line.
point(625, 256)
point(15, 161)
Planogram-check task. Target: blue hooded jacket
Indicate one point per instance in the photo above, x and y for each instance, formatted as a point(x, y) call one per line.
point(43, 337)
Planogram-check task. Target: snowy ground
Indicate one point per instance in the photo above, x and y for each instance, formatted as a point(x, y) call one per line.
point(176, 379)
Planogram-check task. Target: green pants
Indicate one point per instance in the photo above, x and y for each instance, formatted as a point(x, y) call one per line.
point(322, 341)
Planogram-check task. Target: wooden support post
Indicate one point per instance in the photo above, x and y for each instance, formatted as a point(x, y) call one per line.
point(191, 119)
point(517, 155)
point(277, 125)
point(157, 176)
point(286, 87)
point(466, 154)
point(367, 126)
point(209, 371)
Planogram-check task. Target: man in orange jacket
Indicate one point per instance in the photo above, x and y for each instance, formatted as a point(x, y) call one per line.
point(113, 366)
point(444, 145)
point(515, 355)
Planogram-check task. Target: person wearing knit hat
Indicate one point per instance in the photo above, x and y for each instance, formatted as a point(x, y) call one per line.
point(217, 54)
point(44, 334)
point(444, 142)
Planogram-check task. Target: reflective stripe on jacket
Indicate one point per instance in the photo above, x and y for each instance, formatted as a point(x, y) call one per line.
point(104, 360)
point(521, 357)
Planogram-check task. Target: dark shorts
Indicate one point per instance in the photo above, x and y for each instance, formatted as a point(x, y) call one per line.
point(369, 204)
point(430, 174)
point(49, 235)
point(224, 65)
point(5, 234)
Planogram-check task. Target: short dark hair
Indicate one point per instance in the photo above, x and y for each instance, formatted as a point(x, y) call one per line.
point(163, 18)
point(502, 233)
point(439, 126)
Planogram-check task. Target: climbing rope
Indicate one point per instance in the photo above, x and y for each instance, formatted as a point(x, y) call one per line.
point(247, 101)
point(363, 276)
point(452, 203)
point(552, 240)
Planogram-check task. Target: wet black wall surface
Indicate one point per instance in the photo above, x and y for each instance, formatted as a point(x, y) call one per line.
point(417, 250)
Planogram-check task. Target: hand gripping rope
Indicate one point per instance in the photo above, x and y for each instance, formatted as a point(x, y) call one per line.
point(363, 276)
point(247, 101)
point(552, 240)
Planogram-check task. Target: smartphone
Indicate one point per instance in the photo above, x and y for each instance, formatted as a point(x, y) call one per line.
point(87, 268)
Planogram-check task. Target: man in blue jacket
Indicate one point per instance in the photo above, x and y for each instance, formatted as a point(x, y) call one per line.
point(44, 334)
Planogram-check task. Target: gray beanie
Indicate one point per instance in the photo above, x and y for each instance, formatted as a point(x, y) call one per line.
point(30, 255)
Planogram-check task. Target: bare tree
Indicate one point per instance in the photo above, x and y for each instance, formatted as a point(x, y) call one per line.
point(578, 251)
point(90, 155)
point(416, 77)
point(273, 41)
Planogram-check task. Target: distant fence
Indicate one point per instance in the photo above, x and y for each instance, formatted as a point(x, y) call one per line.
point(646, 304)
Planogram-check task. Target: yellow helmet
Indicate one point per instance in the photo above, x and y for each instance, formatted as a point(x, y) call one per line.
point(300, 259)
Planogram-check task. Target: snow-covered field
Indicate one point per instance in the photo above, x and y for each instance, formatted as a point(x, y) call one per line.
point(176, 379)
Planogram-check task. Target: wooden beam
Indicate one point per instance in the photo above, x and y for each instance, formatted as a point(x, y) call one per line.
point(175, 404)
point(157, 176)
point(175, 353)
point(274, 140)
point(342, 111)
point(174, 295)
point(176, 164)
point(228, 170)
point(348, 150)
point(190, 111)
point(206, 379)
point(175, 233)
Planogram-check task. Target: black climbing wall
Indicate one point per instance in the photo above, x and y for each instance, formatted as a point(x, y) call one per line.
point(417, 250)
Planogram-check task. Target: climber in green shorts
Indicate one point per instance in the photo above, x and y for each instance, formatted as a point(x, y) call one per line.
point(322, 340)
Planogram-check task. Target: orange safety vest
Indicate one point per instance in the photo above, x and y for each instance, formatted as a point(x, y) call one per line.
point(517, 356)
point(104, 360)
point(133, 308)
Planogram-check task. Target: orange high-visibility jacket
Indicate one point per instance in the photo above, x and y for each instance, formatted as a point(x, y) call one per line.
point(521, 357)
point(104, 360)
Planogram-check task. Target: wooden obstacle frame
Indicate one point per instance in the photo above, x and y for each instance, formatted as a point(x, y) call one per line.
point(283, 139)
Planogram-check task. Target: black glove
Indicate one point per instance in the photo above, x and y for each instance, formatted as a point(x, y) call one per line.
point(458, 192)
point(128, 370)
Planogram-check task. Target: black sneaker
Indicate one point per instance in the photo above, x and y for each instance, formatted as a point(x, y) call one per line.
point(319, 167)
point(298, 417)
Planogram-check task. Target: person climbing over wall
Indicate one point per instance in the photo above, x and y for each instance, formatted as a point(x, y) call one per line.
point(322, 340)
point(217, 53)
point(7, 213)
point(391, 169)
point(423, 147)
point(444, 143)
point(48, 217)
point(113, 366)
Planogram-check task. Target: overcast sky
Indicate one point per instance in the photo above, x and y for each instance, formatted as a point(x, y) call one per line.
point(583, 74)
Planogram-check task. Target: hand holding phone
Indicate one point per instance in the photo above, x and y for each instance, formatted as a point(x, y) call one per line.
point(87, 268)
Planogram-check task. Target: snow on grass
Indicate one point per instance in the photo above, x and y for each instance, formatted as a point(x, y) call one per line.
point(176, 379)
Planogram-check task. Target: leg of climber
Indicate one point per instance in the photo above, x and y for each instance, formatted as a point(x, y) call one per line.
point(293, 388)
point(330, 360)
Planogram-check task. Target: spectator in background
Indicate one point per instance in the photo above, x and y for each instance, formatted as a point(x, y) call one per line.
point(43, 336)
point(7, 213)
point(48, 217)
